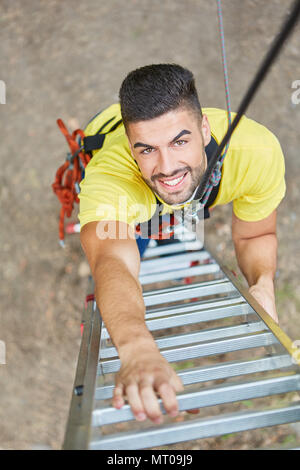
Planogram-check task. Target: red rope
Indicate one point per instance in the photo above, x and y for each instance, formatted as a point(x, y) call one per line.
point(68, 175)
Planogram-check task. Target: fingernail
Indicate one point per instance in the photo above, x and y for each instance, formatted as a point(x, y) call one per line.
point(141, 416)
point(117, 404)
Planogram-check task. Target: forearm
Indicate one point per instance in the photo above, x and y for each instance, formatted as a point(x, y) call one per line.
point(120, 301)
point(144, 372)
point(257, 258)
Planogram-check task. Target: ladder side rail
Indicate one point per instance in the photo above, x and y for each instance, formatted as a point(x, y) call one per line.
point(282, 337)
point(78, 427)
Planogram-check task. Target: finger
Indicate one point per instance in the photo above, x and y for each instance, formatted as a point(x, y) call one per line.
point(135, 402)
point(176, 382)
point(168, 396)
point(150, 403)
point(118, 396)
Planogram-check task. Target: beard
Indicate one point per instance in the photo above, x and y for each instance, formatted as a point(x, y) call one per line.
point(182, 195)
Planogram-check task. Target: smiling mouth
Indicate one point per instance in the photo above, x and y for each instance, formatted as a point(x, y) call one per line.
point(173, 183)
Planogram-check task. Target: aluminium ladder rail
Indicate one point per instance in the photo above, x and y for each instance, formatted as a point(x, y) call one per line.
point(214, 317)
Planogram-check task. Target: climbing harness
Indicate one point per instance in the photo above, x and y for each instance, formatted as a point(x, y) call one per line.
point(69, 175)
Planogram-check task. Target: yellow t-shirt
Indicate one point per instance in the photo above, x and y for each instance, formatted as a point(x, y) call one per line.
point(252, 173)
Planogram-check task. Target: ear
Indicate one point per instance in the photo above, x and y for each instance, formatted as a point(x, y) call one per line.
point(205, 128)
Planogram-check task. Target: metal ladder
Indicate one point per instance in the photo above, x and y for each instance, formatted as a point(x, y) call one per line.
point(221, 342)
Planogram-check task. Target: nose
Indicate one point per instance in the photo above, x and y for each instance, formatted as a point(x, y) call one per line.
point(166, 164)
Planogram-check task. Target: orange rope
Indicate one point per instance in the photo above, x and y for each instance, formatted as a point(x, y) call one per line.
point(68, 176)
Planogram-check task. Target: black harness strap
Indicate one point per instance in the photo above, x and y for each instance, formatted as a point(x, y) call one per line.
point(210, 150)
point(95, 142)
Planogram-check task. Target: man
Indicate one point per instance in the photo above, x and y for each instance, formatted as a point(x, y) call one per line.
point(159, 153)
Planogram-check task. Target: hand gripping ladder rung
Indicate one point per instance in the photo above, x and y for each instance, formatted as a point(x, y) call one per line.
point(223, 345)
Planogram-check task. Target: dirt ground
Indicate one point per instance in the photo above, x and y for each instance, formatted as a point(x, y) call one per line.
point(67, 59)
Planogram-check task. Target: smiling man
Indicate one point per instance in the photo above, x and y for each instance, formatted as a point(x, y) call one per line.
point(153, 156)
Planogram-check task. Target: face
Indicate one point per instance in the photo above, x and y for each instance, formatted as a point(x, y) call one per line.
point(169, 151)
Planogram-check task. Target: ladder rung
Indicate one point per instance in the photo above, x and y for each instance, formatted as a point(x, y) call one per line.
point(194, 317)
point(173, 248)
point(199, 336)
point(217, 395)
point(202, 350)
point(180, 273)
point(194, 306)
point(207, 314)
point(218, 371)
point(198, 429)
point(171, 262)
point(175, 294)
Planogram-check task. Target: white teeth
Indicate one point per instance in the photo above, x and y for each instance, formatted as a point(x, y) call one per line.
point(173, 182)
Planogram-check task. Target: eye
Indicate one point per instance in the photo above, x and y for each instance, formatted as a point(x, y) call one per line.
point(180, 142)
point(147, 151)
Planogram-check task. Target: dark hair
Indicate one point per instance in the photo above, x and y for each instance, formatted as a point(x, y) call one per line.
point(152, 90)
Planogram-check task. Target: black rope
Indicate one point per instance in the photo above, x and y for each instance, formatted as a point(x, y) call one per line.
point(270, 57)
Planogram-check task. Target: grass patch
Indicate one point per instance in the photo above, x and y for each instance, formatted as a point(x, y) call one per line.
point(227, 436)
point(183, 365)
point(248, 403)
point(290, 439)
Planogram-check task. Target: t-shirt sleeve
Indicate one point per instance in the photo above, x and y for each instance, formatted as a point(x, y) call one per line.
point(266, 186)
point(108, 197)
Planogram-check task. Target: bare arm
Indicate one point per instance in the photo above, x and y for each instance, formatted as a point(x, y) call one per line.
point(115, 265)
point(256, 251)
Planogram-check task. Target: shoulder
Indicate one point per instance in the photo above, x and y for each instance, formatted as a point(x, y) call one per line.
point(253, 169)
point(248, 133)
point(251, 134)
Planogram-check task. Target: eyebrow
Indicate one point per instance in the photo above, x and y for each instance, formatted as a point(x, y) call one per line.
point(183, 132)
